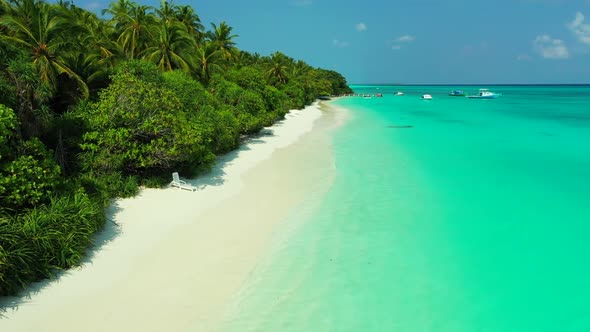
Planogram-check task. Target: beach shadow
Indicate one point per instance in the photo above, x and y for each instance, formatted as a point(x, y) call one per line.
point(265, 132)
point(216, 176)
point(110, 231)
point(212, 178)
point(544, 133)
point(400, 126)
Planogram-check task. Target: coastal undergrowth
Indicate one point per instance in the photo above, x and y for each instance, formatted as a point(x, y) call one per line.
point(46, 239)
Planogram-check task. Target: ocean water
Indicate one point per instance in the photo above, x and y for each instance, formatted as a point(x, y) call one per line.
point(452, 214)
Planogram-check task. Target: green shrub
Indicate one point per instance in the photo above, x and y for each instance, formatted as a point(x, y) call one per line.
point(29, 179)
point(223, 131)
point(141, 128)
point(190, 92)
point(295, 94)
point(142, 70)
point(7, 91)
point(47, 238)
point(8, 123)
point(108, 186)
point(226, 92)
point(248, 78)
point(276, 101)
point(156, 181)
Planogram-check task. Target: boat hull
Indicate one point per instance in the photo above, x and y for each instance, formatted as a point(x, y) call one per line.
point(485, 94)
point(483, 97)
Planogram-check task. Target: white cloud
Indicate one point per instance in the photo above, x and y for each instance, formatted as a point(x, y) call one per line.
point(303, 3)
point(93, 6)
point(550, 48)
point(581, 30)
point(405, 39)
point(524, 57)
point(360, 27)
point(396, 44)
point(340, 43)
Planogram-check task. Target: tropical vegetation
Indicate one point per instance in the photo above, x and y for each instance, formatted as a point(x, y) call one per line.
point(92, 107)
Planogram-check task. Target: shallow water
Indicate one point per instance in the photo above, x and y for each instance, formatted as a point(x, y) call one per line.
point(451, 214)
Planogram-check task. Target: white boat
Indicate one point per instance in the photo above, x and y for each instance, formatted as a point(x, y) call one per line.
point(399, 93)
point(485, 94)
point(426, 97)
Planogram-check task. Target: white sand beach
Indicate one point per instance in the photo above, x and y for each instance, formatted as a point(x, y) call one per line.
point(174, 258)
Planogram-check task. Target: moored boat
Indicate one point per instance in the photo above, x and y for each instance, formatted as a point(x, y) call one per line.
point(457, 93)
point(426, 96)
point(399, 93)
point(485, 94)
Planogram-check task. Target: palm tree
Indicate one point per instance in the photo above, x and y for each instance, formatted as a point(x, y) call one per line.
point(244, 59)
point(4, 7)
point(171, 48)
point(166, 12)
point(31, 92)
point(66, 4)
point(299, 69)
point(101, 53)
point(44, 32)
point(118, 8)
point(187, 16)
point(207, 61)
point(277, 69)
point(222, 39)
point(133, 25)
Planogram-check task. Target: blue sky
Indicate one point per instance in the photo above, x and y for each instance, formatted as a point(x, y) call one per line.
point(415, 42)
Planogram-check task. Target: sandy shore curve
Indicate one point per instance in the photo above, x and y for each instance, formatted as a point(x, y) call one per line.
point(171, 259)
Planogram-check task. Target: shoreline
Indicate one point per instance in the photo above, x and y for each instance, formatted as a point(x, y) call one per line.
point(172, 259)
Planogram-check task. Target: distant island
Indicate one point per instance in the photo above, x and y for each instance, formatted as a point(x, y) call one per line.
point(92, 108)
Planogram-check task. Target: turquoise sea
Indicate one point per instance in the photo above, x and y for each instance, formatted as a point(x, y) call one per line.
point(475, 218)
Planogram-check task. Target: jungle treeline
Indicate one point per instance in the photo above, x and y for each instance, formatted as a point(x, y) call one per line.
point(94, 106)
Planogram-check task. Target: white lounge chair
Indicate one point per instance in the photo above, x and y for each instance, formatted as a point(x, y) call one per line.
point(177, 182)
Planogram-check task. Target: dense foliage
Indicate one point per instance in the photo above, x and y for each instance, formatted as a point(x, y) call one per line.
point(90, 108)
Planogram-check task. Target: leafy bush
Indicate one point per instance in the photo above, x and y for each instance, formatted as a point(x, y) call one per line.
point(138, 127)
point(47, 238)
point(295, 94)
point(276, 101)
point(142, 70)
point(108, 186)
point(226, 92)
point(248, 78)
point(7, 91)
point(8, 123)
point(223, 129)
point(30, 178)
point(190, 92)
